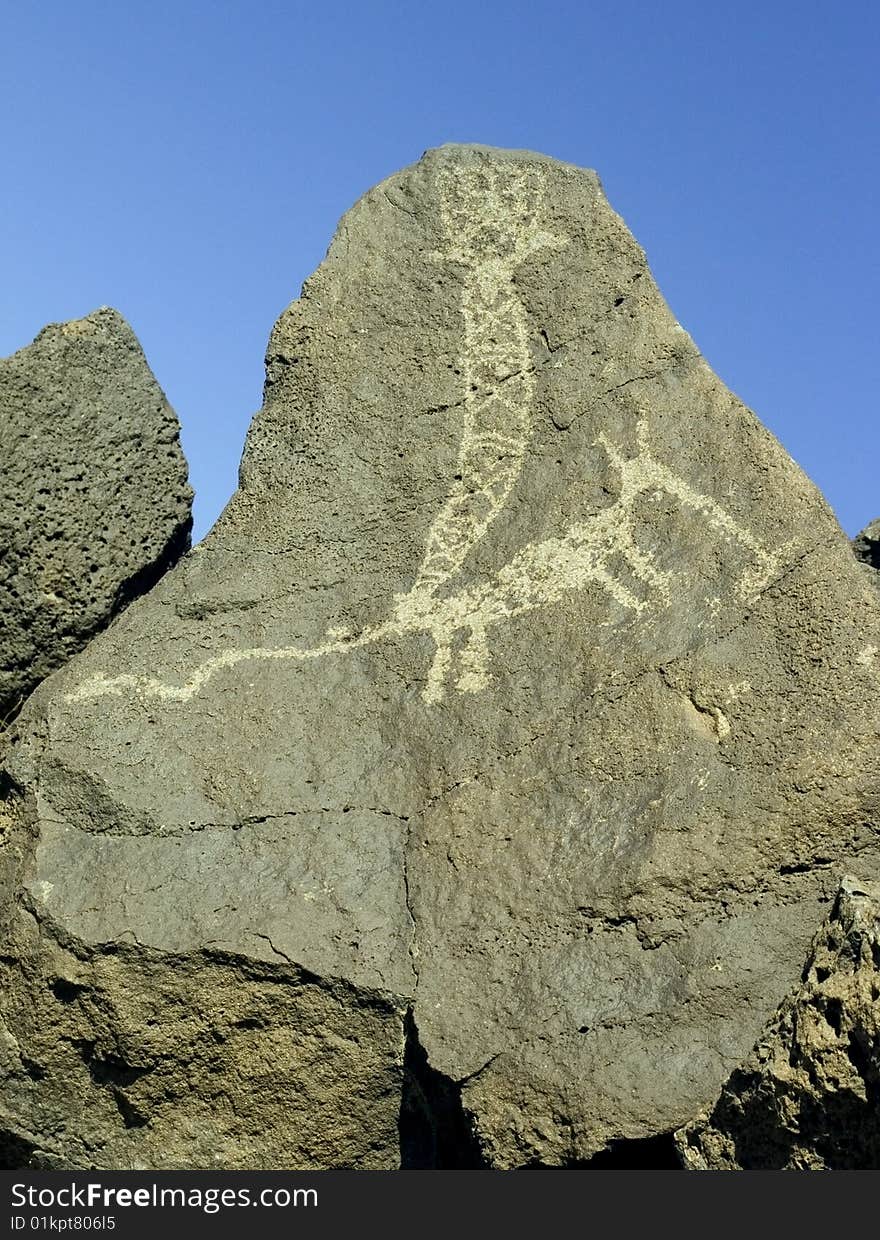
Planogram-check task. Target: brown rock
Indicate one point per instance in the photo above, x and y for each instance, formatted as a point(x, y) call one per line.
point(94, 501)
point(513, 724)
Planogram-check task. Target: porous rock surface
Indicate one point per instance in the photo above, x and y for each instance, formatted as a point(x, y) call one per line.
point(94, 499)
point(471, 794)
point(808, 1096)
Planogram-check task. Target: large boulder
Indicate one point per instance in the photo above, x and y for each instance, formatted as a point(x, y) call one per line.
point(808, 1096)
point(94, 499)
point(471, 794)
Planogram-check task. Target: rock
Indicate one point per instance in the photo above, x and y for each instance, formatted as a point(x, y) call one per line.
point(471, 794)
point(94, 501)
point(808, 1096)
point(866, 545)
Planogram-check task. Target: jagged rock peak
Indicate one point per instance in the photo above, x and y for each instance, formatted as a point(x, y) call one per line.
point(94, 499)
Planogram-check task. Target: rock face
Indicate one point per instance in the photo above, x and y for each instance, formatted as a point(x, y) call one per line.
point(472, 793)
point(808, 1096)
point(94, 501)
point(867, 544)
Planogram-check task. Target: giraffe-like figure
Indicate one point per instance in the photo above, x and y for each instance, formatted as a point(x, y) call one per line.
point(492, 222)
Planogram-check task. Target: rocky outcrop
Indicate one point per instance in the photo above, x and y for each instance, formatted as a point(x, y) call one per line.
point(866, 545)
point(470, 796)
point(94, 501)
point(808, 1096)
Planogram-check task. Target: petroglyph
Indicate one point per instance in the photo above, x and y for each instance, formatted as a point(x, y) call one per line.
point(543, 573)
point(491, 218)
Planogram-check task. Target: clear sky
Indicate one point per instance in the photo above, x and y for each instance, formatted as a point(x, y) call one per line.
point(187, 163)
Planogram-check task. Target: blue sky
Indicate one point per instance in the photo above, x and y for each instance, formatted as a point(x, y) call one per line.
point(187, 163)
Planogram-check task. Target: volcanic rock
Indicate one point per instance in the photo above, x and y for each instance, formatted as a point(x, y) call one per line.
point(866, 545)
point(94, 501)
point(808, 1096)
point(471, 795)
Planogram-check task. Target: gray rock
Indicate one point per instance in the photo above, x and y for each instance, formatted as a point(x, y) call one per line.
point(866, 545)
point(477, 785)
point(808, 1096)
point(94, 501)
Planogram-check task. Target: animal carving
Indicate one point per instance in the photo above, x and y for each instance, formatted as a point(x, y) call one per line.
point(491, 216)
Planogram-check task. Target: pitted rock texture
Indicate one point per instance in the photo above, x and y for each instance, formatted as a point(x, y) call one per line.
point(808, 1096)
point(94, 499)
point(512, 722)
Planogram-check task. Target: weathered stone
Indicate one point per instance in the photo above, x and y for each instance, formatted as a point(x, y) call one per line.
point(808, 1096)
point(866, 545)
point(94, 501)
point(513, 722)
